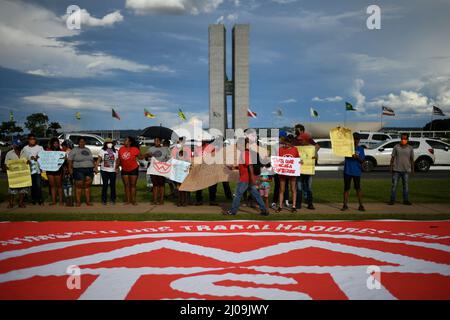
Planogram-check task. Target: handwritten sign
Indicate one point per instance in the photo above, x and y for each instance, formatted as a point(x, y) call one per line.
point(342, 143)
point(175, 170)
point(307, 155)
point(51, 160)
point(202, 176)
point(19, 175)
point(286, 166)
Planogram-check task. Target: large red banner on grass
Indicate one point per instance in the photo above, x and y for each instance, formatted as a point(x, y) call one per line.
point(225, 260)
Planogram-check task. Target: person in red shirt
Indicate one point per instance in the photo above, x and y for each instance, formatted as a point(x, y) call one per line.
point(246, 181)
point(287, 150)
point(128, 156)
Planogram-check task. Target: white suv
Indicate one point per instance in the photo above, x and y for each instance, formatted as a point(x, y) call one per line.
point(372, 139)
point(381, 155)
point(93, 141)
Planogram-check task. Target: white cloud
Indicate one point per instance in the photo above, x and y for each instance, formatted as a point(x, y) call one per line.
point(284, 1)
point(366, 63)
point(232, 17)
point(172, 6)
point(327, 99)
point(290, 100)
point(90, 21)
point(29, 43)
point(357, 95)
point(405, 102)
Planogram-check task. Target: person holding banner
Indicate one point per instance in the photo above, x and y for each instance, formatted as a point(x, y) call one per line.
point(108, 160)
point(15, 154)
point(31, 153)
point(352, 171)
point(287, 150)
point(183, 153)
point(246, 181)
point(128, 156)
point(162, 154)
point(55, 177)
point(81, 167)
point(304, 181)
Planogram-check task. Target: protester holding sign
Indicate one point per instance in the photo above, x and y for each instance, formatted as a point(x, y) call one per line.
point(12, 155)
point(304, 181)
point(108, 159)
point(352, 171)
point(31, 153)
point(287, 150)
point(161, 154)
point(81, 167)
point(183, 153)
point(128, 156)
point(55, 177)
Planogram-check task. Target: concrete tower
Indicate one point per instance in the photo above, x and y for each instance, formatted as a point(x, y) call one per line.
point(240, 76)
point(220, 86)
point(217, 78)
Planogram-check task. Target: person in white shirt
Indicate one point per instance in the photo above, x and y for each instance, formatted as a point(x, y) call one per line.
point(14, 154)
point(31, 153)
point(108, 159)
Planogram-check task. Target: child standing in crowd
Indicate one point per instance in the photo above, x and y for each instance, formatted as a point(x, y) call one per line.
point(108, 157)
point(287, 150)
point(15, 154)
point(352, 171)
point(264, 180)
point(246, 181)
point(31, 153)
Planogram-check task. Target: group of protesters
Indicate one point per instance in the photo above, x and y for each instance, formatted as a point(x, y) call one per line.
point(255, 174)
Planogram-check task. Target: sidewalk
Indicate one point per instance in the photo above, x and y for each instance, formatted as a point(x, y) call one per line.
point(168, 207)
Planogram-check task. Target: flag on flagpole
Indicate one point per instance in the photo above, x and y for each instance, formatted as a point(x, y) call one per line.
point(349, 107)
point(313, 113)
point(386, 111)
point(148, 114)
point(251, 114)
point(115, 114)
point(438, 111)
point(11, 116)
point(181, 115)
point(78, 115)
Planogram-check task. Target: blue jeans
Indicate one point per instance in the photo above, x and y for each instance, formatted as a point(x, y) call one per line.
point(405, 179)
point(36, 188)
point(108, 178)
point(240, 189)
point(304, 189)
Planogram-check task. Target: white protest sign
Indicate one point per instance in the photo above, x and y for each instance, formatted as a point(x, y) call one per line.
point(175, 170)
point(51, 160)
point(286, 166)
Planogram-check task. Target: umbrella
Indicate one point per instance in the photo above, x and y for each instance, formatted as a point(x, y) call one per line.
point(159, 132)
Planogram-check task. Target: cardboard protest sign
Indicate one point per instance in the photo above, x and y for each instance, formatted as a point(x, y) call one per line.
point(51, 160)
point(175, 170)
point(342, 143)
point(19, 175)
point(286, 166)
point(307, 156)
point(202, 176)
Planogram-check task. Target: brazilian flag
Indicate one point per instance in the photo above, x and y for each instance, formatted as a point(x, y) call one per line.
point(181, 115)
point(78, 115)
point(349, 107)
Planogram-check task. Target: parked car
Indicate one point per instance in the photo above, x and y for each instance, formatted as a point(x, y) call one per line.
point(381, 155)
point(441, 151)
point(372, 139)
point(93, 141)
point(325, 155)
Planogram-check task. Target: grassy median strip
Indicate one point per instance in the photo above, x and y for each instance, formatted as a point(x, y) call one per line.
point(215, 216)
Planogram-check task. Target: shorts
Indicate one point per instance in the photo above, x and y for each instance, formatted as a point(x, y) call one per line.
point(55, 173)
point(14, 191)
point(264, 192)
point(158, 181)
point(348, 181)
point(134, 172)
point(80, 174)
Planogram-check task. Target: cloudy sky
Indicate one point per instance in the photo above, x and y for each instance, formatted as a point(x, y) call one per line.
point(136, 54)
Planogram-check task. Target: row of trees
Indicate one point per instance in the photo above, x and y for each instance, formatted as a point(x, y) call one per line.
point(38, 123)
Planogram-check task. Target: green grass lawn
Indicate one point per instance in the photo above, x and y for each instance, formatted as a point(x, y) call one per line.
point(325, 191)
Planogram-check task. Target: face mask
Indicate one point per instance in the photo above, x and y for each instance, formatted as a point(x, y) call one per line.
point(109, 145)
point(403, 142)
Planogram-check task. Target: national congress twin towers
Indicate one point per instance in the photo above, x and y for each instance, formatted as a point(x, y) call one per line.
point(220, 86)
